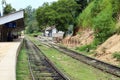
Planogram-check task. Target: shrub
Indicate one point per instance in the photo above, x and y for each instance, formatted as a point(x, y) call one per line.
point(118, 29)
point(86, 48)
point(116, 55)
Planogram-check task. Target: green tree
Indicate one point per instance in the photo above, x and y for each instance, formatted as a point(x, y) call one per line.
point(61, 14)
point(8, 9)
point(83, 4)
point(46, 16)
point(30, 20)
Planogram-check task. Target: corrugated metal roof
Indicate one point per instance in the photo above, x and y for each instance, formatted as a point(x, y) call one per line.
point(11, 17)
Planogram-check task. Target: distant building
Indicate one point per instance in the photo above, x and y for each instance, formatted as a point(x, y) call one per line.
point(59, 34)
point(53, 32)
point(49, 31)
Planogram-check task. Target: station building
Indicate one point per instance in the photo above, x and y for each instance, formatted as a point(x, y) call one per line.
point(10, 25)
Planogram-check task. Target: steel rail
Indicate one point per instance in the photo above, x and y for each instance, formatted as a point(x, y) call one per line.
point(106, 67)
point(64, 77)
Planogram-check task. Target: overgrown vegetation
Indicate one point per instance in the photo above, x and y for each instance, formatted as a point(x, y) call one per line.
point(22, 70)
point(101, 16)
point(116, 55)
point(61, 14)
point(30, 20)
point(35, 34)
point(88, 48)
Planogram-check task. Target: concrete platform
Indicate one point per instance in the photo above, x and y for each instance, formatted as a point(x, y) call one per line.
point(8, 57)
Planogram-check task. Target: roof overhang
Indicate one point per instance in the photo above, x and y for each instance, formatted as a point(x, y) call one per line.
point(17, 17)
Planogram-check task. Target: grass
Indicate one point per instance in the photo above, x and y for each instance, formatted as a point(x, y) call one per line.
point(74, 69)
point(101, 16)
point(35, 34)
point(22, 70)
point(116, 55)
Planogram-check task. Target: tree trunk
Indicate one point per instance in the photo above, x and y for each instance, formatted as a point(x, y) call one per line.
point(75, 31)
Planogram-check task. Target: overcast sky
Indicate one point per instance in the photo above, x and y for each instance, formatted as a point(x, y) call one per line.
point(17, 4)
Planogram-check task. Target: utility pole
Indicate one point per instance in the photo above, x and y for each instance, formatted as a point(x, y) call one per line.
point(3, 5)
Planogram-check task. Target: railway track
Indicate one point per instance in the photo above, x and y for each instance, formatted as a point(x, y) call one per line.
point(41, 67)
point(105, 67)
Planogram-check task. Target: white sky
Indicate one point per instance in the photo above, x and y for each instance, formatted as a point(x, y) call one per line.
point(17, 4)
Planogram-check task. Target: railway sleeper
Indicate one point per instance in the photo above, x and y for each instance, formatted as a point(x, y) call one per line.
point(53, 77)
point(40, 66)
point(44, 78)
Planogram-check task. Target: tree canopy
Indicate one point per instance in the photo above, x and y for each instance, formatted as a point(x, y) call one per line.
point(30, 20)
point(61, 14)
point(8, 9)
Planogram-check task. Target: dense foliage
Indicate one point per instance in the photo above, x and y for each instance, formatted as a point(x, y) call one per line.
point(83, 4)
point(8, 9)
point(61, 14)
point(100, 15)
point(30, 20)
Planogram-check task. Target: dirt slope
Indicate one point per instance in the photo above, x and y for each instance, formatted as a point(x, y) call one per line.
point(109, 47)
point(84, 36)
point(106, 50)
